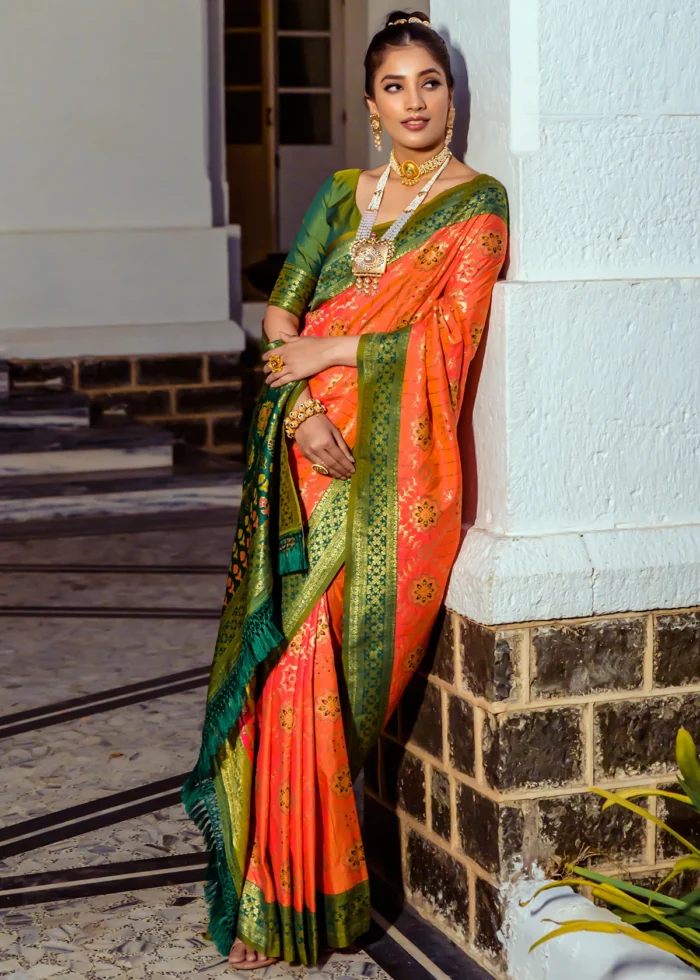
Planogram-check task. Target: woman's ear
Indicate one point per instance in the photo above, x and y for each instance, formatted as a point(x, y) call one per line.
point(371, 105)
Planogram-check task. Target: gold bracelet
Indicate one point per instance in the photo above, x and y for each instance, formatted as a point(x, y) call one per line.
point(302, 412)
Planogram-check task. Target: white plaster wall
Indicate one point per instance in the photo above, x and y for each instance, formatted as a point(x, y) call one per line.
point(99, 101)
point(108, 156)
point(587, 417)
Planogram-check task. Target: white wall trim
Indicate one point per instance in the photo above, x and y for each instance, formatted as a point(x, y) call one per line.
point(507, 579)
point(582, 956)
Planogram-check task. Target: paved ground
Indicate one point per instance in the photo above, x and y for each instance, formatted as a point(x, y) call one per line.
point(105, 642)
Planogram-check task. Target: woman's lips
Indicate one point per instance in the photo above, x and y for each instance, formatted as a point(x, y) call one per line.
point(415, 125)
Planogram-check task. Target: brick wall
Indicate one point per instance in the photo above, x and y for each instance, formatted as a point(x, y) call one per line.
point(491, 752)
point(204, 399)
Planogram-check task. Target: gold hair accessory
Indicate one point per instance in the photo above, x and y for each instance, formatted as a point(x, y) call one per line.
point(450, 125)
point(320, 468)
point(376, 126)
point(276, 363)
point(410, 172)
point(301, 413)
point(409, 20)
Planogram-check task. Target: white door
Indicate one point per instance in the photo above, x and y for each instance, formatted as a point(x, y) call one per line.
point(310, 105)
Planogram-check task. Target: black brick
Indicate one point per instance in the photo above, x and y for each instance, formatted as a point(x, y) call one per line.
point(169, 370)
point(591, 657)
point(440, 658)
point(678, 888)
point(404, 779)
point(575, 824)
point(421, 716)
point(440, 793)
point(227, 430)
point(130, 404)
point(489, 659)
point(224, 367)
point(488, 919)
point(682, 819)
point(512, 834)
point(382, 839)
point(196, 401)
point(477, 823)
point(439, 879)
point(677, 650)
point(104, 374)
point(639, 737)
point(193, 432)
point(460, 734)
point(52, 375)
point(534, 748)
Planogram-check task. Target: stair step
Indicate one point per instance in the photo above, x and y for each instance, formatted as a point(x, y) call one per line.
point(86, 495)
point(28, 451)
point(44, 410)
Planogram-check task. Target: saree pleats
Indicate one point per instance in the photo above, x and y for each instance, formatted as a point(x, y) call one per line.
point(334, 585)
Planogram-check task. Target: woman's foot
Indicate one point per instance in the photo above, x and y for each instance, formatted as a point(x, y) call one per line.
point(243, 958)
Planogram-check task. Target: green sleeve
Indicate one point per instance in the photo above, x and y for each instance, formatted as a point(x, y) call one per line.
point(297, 280)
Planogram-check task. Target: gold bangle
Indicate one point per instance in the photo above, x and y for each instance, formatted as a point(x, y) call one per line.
point(302, 412)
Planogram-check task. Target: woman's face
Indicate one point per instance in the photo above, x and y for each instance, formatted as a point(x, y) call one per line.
point(412, 97)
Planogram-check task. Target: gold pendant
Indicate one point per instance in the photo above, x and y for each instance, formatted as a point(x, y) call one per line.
point(410, 173)
point(370, 257)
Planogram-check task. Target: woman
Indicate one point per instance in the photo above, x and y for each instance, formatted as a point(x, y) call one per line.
point(350, 517)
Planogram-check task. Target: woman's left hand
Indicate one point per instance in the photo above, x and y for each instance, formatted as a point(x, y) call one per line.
point(303, 357)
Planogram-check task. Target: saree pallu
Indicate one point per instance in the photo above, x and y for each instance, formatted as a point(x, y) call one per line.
point(334, 586)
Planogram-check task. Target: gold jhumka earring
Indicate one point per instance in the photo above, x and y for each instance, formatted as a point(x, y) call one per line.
point(450, 125)
point(376, 126)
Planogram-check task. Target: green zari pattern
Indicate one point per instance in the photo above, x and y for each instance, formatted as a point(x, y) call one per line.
point(280, 930)
point(293, 289)
point(371, 564)
point(483, 195)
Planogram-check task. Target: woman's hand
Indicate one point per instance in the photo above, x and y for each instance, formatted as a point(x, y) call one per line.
point(305, 357)
point(321, 442)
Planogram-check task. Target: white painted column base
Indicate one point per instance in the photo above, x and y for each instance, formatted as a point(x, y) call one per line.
point(511, 579)
point(581, 956)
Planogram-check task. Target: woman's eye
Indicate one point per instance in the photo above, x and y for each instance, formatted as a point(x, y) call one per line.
point(434, 83)
point(394, 87)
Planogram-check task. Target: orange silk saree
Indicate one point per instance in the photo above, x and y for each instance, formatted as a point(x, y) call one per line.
point(334, 585)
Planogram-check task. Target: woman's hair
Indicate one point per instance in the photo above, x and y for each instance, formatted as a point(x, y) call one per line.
point(403, 28)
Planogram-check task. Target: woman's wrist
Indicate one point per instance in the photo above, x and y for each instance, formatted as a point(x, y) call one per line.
point(340, 351)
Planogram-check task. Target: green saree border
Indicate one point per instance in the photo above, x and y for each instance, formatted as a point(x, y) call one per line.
point(285, 932)
point(482, 195)
point(369, 619)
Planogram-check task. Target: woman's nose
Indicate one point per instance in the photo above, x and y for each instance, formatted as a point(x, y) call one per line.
point(414, 100)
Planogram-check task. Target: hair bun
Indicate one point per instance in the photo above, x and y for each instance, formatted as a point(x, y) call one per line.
point(399, 18)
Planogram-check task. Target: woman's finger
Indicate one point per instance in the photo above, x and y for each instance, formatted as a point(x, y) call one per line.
point(336, 457)
point(343, 446)
point(333, 469)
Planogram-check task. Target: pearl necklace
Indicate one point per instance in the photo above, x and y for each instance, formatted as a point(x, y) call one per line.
point(370, 255)
point(410, 172)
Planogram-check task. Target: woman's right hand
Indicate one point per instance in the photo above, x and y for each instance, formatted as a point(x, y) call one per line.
point(321, 442)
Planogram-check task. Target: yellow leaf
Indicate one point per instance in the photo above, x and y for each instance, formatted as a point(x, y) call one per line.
point(621, 801)
point(687, 759)
point(611, 929)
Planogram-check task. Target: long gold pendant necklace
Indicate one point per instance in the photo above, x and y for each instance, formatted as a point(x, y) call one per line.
point(371, 255)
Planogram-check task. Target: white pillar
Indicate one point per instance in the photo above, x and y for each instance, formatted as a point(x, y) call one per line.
point(586, 423)
point(109, 189)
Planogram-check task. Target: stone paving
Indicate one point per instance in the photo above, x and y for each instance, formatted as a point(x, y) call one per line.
point(46, 659)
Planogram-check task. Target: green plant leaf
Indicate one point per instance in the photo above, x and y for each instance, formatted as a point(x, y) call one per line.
point(693, 794)
point(630, 904)
point(687, 759)
point(631, 794)
point(613, 928)
point(641, 811)
point(626, 886)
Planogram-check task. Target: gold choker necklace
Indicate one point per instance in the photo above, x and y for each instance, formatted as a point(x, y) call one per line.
point(410, 172)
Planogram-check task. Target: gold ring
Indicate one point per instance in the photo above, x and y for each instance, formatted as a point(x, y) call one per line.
point(319, 468)
point(276, 363)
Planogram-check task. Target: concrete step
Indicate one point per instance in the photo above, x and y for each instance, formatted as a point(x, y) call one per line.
point(30, 500)
point(26, 451)
point(44, 410)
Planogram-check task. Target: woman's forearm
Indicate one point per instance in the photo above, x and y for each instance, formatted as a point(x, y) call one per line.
point(278, 322)
point(341, 351)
